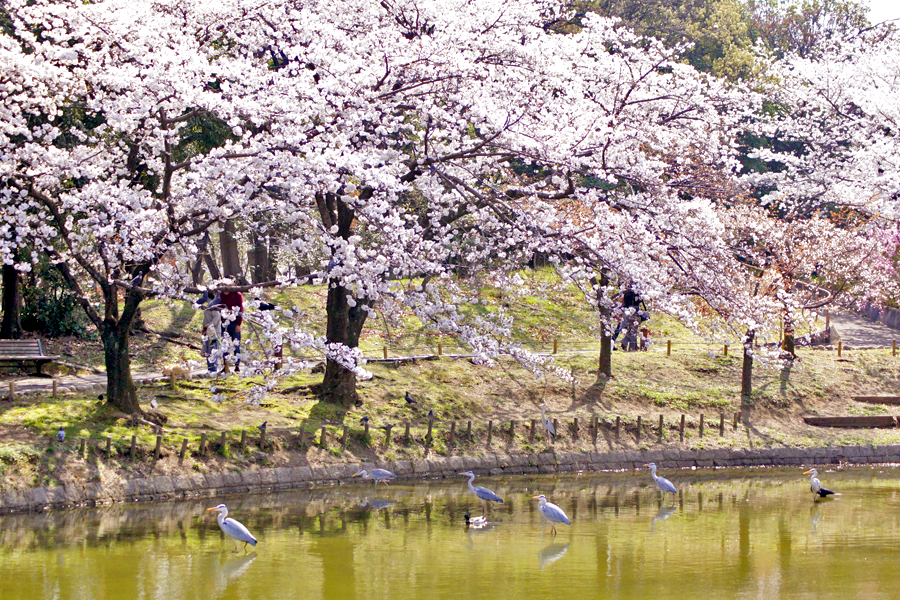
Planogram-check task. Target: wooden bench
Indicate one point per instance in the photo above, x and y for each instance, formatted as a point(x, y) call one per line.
point(25, 351)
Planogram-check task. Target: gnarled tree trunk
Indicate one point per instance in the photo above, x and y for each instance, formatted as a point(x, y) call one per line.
point(115, 334)
point(747, 368)
point(10, 327)
point(605, 333)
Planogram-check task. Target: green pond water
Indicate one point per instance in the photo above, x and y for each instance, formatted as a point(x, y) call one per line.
point(728, 534)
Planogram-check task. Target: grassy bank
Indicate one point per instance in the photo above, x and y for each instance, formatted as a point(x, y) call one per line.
point(695, 379)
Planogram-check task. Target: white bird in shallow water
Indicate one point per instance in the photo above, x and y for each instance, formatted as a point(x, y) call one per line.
point(816, 486)
point(548, 425)
point(232, 528)
point(475, 522)
point(665, 486)
point(552, 513)
point(376, 474)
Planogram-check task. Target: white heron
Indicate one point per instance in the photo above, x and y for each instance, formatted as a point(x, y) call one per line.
point(376, 474)
point(665, 486)
point(232, 528)
point(552, 513)
point(816, 486)
point(548, 425)
point(483, 493)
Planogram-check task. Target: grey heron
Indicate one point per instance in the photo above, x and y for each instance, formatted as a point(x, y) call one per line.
point(548, 425)
point(665, 486)
point(61, 434)
point(482, 493)
point(816, 486)
point(232, 528)
point(376, 474)
point(551, 512)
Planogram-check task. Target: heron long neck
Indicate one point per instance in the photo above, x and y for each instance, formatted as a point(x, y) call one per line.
point(543, 411)
point(222, 515)
point(653, 473)
point(471, 479)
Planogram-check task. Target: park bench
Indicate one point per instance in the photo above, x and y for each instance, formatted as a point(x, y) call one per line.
point(25, 351)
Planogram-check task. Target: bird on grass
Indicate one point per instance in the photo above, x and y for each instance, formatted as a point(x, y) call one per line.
point(264, 426)
point(376, 474)
point(816, 486)
point(551, 512)
point(431, 415)
point(154, 404)
point(548, 425)
point(232, 528)
point(484, 494)
point(61, 434)
point(364, 421)
point(665, 486)
point(410, 400)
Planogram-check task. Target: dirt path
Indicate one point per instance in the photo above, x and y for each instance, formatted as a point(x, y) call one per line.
point(856, 331)
point(84, 383)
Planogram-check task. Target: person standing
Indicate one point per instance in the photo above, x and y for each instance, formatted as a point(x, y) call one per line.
point(233, 303)
point(211, 332)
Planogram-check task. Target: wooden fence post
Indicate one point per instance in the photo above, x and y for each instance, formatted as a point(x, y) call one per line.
point(668, 347)
point(55, 384)
point(531, 432)
point(894, 348)
point(660, 438)
point(346, 432)
point(452, 433)
point(721, 424)
point(575, 428)
point(12, 391)
point(701, 424)
point(133, 444)
point(512, 430)
point(81, 448)
point(737, 417)
point(407, 436)
point(428, 437)
point(681, 429)
point(184, 444)
point(387, 434)
point(203, 443)
point(243, 440)
point(639, 429)
point(158, 450)
point(618, 425)
point(384, 349)
point(840, 346)
point(595, 429)
point(556, 426)
point(108, 446)
point(554, 346)
point(490, 433)
point(440, 349)
point(222, 441)
point(726, 349)
point(469, 430)
point(322, 439)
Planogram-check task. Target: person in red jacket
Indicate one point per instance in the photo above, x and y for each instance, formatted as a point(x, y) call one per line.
point(233, 303)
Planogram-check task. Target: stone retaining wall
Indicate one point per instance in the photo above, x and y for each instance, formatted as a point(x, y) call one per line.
point(267, 480)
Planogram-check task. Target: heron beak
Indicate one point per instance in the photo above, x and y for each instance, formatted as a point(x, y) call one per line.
point(535, 497)
point(355, 475)
point(213, 508)
point(807, 472)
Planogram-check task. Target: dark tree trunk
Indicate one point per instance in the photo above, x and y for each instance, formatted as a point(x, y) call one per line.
point(788, 343)
point(10, 327)
point(345, 322)
point(258, 257)
point(605, 333)
point(231, 258)
point(115, 334)
point(208, 258)
point(747, 368)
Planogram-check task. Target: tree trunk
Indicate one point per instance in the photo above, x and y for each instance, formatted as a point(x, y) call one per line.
point(231, 258)
point(115, 332)
point(10, 327)
point(344, 326)
point(747, 368)
point(605, 333)
point(788, 343)
point(258, 257)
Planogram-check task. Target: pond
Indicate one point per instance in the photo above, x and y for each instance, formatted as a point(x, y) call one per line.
point(728, 534)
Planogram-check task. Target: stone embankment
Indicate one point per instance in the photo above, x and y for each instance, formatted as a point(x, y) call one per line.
point(164, 488)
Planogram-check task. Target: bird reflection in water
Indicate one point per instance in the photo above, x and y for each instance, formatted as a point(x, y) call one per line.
point(375, 503)
point(551, 554)
point(813, 517)
point(662, 514)
point(233, 569)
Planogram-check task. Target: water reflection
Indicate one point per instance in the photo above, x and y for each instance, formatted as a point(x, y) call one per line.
point(737, 534)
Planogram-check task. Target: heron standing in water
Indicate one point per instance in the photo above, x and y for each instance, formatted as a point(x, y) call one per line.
point(232, 528)
point(552, 513)
point(816, 486)
point(665, 486)
point(483, 493)
point(376, 474)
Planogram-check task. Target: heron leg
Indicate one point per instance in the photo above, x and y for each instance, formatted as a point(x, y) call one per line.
point(553, 529)
point(235, 546)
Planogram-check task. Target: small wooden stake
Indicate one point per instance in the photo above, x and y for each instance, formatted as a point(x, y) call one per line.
point(893, 349)
point(172, 380)
point(660, 436)
point(531, 432)
point(407, 436)
point(55, 386)
point(222, 442)
point(440, 349)
point(618, 425)
point(427, 434)
point(133, 444)
point(12, 391)
point(681, 429)
point(840, 345)
point(243, 440)
point(639, 429)
point(82, 446)
point(512, 430)
point(346, 432)
point(668, 347)
point(384, 350)
point(452, 433)
point(469, 430)
point(203, 444)
point(701, 424)
point(387, 434)
point(575, 428)
point(554, 346)
point(737, 417)
point(595, 429)
point(726, 349)
point(184, 444)
point(322, 439)
point(721, 424)
point(158, 449)
point(108, 446)
point(490, 432)
point(556, 426)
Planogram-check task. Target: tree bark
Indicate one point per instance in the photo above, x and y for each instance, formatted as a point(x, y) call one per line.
point(115, 335)
point(259, 259)
point(788, 343)
point(231, 259)
point(10, 327)
point(605, 333)
point(747, 368)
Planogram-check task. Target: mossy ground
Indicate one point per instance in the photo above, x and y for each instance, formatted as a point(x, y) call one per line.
point(695, 378)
